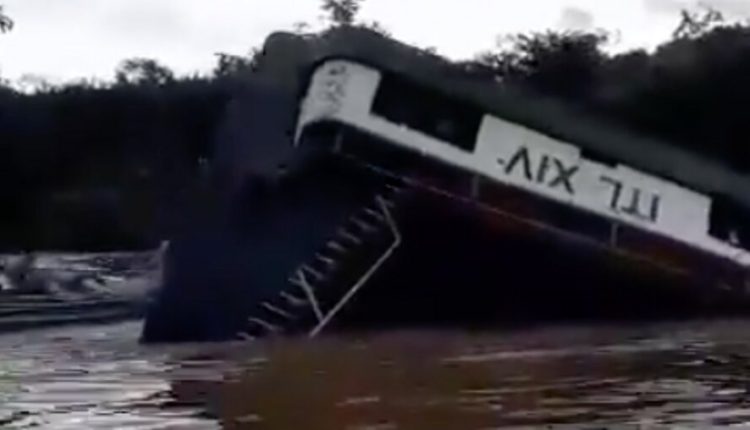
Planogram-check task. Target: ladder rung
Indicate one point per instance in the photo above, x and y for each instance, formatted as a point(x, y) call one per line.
point(245, 336)
point(316, 274)
point(394, 188)
point(388, 203)
point(265, 324)
point(326, 260)
point(278, 311)
point(350, 236)
point(375, 214)
point(296, 280)
point(336, 246)
point(293, 300)
point(364, 226)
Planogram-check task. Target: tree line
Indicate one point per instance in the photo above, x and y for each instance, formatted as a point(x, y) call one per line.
point(114, 166)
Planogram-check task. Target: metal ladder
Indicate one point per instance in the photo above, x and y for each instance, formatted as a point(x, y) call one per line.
point(317, 290)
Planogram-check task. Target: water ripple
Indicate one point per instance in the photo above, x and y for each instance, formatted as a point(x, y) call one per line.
point(686, 375)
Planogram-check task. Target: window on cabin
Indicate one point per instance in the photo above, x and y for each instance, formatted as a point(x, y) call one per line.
point(406, 103)
point(730, 222)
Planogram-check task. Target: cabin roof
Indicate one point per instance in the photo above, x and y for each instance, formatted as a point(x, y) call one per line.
point(291, 58)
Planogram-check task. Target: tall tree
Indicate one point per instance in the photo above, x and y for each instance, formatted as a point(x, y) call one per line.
point(564, 64)
point(143, 71)
point(695, 24)
point(6, 24)
point(235, 65)
point(342, 12)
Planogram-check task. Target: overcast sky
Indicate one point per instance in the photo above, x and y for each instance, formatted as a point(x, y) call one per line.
point(68, 39)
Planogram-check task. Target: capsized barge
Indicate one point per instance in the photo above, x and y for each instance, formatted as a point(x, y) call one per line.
point(373, 185)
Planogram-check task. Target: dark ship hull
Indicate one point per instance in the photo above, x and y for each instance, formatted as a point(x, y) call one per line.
point(414, 193)
point(360, 235)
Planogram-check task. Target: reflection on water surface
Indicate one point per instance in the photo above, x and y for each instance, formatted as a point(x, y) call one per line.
point(691, 375)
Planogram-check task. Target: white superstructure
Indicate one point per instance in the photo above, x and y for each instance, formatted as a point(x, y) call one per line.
point(520, 157)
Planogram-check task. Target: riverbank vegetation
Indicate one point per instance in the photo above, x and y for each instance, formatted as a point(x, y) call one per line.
point(94, 166)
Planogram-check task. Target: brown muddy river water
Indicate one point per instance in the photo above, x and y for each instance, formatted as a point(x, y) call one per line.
point(668, 375)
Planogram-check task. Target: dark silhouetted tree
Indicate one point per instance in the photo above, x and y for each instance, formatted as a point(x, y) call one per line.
point(142, 71)
point(301, 27)
point(229, 65)
point(342, 12)
point(694, 24)
point(32, 83)
point(564, 64)
point(376, 27)
point(6, 24)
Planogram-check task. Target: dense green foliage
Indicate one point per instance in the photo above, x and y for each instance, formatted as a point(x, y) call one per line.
point(115, 166)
